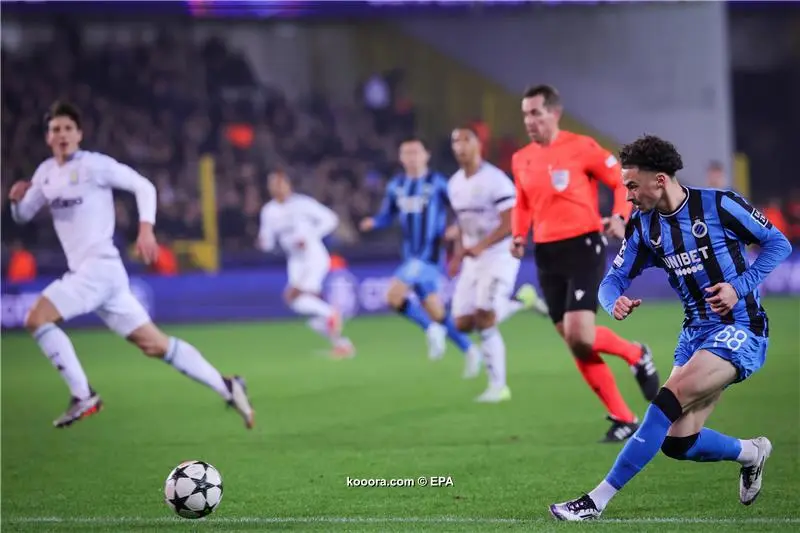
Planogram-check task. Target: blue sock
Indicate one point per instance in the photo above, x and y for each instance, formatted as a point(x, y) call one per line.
point(640, 448)
point(459, 339)
point(415, 313)
point(713, 446)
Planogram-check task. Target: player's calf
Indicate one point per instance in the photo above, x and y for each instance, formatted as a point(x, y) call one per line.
point(465, 324)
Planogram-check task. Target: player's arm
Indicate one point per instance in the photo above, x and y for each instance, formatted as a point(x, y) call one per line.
point(630, 262)
point(386, 214)
point(520, 213)
point(602, 165)
point(266, 237)
point(750, 226)
point(504, 199)
point(27, 198)
point(122, 177)
point(116, 175)
point(325, 219)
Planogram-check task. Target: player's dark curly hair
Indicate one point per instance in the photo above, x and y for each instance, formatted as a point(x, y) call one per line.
point(61, 108)
point(652, 154)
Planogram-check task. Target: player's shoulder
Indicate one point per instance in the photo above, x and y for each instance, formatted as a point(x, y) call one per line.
point(96, 158)
point(43, 169)
point(527, 151)
point(494, 172)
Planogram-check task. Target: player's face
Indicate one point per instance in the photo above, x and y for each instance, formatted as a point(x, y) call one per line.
point(540, 120)
point(414, 157)
point(278, 186)
point(466, 146)
point(63, 136)
point(645, 189)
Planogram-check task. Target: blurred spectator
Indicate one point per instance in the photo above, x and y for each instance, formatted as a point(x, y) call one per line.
point(716, 177)
point(774, 212)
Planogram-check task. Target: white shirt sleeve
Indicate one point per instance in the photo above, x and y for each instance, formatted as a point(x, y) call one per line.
point(325, 220)
point(116, 175)
point(266, 237)
point(504, 193)
point(34, 199)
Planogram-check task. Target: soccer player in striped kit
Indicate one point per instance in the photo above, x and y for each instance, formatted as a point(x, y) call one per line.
point(698, 237)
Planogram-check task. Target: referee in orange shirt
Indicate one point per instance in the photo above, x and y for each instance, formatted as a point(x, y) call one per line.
point(556, 177)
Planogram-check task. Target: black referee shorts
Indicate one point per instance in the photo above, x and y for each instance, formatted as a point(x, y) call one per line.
point(570, 272)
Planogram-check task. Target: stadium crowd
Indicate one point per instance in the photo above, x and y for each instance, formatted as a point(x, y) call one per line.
point(159, 105)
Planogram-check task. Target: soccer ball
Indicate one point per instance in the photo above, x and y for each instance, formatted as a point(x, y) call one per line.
point(193, 489)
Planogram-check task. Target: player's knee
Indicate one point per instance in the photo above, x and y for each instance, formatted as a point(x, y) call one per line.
point(290, 294)
point(579, 344)
point(40, 314)
point(150, 340)
point(669, 404)
point(678, 447)
point(396, 296)
point(465, 324)
point(484, 319)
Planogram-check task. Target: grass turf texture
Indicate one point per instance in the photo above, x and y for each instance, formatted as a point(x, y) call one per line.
point(388, 413)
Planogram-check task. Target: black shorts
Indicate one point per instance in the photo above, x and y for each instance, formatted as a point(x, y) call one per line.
point(570, 272)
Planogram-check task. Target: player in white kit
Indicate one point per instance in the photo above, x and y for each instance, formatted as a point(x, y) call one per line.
point(482, 197)
point(298, 223)
point(77, 186)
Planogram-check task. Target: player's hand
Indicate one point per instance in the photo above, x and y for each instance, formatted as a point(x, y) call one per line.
point(18, 190)
point(624, 306)
point(614, 227)
point(146, 245)
point(721, 298)
point(368, 224)
point(455, 264)
point(518, 247)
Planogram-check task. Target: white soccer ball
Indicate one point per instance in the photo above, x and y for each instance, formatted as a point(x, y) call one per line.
point(193, 489)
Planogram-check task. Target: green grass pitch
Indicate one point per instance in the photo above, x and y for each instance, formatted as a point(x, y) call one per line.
point(388, 413)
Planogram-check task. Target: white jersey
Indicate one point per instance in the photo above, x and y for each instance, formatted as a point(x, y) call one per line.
point(478, 201)
point(298, 225)
point(81, 201)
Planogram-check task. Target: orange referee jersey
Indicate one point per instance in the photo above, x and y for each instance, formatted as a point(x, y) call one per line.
point(557, 188)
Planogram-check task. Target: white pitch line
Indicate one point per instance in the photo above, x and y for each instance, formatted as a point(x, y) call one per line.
point(143, 521)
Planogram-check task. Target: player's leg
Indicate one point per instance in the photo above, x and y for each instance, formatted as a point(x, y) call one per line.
point(494, 288)
point(125, 316)
point(397, 296)
point(701, 379)
point(71, 296)
point(462, 309)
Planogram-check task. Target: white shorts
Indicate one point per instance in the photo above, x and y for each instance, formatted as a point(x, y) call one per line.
point(483, 283)
point(307, 274)
point(99, 286)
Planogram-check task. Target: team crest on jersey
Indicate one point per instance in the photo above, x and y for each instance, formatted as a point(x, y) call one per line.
point(73, 177)
point(559, 179)
point(699, 229)
point(759, 217)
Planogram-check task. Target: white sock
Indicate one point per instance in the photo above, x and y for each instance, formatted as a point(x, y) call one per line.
point(307, 304)
point(749, 454)
point(495, 351)
point(58, 348)
point(187, 360)
point(506, 309)
point(602, 494)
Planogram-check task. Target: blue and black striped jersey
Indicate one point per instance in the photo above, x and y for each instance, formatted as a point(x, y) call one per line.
point(699, 245)
point(420, 205)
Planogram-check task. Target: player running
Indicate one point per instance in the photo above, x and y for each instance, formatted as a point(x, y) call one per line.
point(298, 223)
point(482, 197)
point(556, 177)
point(418, 198)
point(77, 186)
point(698, 236)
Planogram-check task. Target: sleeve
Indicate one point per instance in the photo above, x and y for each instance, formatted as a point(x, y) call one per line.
point(116, 175)
point(601, 164)
point(325, 219)
point(750, 226)
point(505, 194)
point(520, 214)
point(34, 199)
point(266, 237)
point(631, 260)
point(388, 209)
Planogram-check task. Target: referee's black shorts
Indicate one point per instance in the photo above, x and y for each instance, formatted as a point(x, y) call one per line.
point(570, 272)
